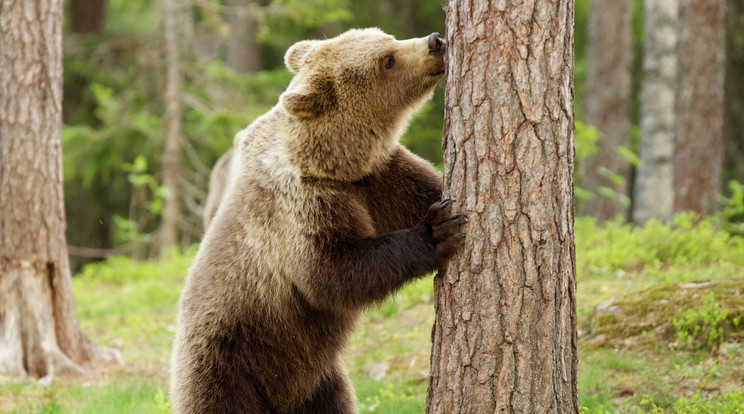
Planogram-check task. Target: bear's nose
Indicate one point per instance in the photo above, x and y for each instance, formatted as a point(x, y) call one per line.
point(436, 44)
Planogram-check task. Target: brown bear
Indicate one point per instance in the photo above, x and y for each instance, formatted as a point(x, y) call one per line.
point(326, 214)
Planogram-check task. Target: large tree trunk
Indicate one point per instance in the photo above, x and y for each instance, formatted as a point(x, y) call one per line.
point(504, 339)
point(654, 192)
point(87, 16)
point(243, 51)
point(169, 230)
point(39, 334)
point(607, 107)
point(698, 157)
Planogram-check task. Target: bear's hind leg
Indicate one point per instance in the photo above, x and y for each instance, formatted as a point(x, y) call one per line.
point(334, 395)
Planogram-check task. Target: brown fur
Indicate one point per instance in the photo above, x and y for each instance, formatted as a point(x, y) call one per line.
point(326, 214)
point(219, 179)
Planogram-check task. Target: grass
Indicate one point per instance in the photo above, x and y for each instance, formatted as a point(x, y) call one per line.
point(131, 306)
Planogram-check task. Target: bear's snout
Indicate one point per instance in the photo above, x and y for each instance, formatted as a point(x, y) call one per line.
point(436, 44)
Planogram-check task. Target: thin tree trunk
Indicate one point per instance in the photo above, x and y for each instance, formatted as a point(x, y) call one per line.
point(654, 192)
point(39, 333)
point(87, 16)
point(607, 107)
point(243, 51)
point(698, 157)
point(171, 165)
point(505, 336)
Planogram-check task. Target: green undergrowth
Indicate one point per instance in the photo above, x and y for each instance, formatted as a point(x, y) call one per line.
point(688, 314)
point(615, 259)
point(689, 249)
point(131, 306)
point(656, 379)
point(110, 398)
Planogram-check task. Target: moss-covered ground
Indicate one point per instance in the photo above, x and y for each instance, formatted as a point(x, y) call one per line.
point(653, 283)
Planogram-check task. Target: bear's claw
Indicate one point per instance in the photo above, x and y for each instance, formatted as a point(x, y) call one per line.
point(446, 202)
point(460, 219)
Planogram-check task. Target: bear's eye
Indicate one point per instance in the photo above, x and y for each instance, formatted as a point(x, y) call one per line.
point(388, 62)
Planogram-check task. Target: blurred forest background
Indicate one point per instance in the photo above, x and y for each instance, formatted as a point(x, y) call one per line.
point(230, 70)
point(659, 90)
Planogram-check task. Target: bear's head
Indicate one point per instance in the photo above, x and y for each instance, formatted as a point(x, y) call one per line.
point(352, 97)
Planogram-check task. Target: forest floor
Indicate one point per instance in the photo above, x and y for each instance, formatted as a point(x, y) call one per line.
point(634, 354)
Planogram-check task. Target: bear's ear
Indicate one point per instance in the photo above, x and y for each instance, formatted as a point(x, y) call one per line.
point(295, 56)
point(319, 97)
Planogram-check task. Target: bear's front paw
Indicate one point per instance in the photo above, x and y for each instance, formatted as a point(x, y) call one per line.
point(444, 229)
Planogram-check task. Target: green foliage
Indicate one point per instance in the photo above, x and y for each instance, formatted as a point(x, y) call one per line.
point(581, 14)
point(111, 399)
point(585, 138)
point(132, 16)
point(147, 194)
point(122, 133)
point(293, 20)
point(731, 402)
point(113, 115)
point(688, 242)
point(701, 326)
point(125, 301)
point(732, 208)
point(139, 178)
point(379, 397)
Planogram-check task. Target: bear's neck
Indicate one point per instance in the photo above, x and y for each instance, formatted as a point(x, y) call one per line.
point(326, 149)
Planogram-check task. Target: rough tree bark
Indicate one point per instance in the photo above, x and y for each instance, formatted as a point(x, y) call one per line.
point(698, 156)
point(243, 51)
point(505, 336)
point(654, 191)
point(607, 107)
point(87, 16)
point(39, 333)
point(171, 164)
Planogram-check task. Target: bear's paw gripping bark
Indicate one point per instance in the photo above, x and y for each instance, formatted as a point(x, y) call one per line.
point(444, 229)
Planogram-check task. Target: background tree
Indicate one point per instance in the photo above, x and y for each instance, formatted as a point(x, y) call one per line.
point(698, 155)
point(87, 16)
point(607, 107)
point(39, 333)
point(243, 49)
point(654, 191)
point(505, 336)
point(172, 176)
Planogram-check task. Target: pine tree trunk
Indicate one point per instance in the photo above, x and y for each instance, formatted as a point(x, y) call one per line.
point(39, 333)
point(698, 157)
point(171, 164)
point(243, 51)
point(654, 191)
point(505, 336)
point(607, 107)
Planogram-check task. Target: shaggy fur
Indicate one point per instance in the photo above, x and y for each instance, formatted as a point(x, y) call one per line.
point(219, 179)
point(326, 214)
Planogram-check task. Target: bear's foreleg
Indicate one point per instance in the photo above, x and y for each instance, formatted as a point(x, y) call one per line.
point(352, 272)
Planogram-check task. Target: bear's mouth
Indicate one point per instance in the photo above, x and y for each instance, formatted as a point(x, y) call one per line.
point(442, 69)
